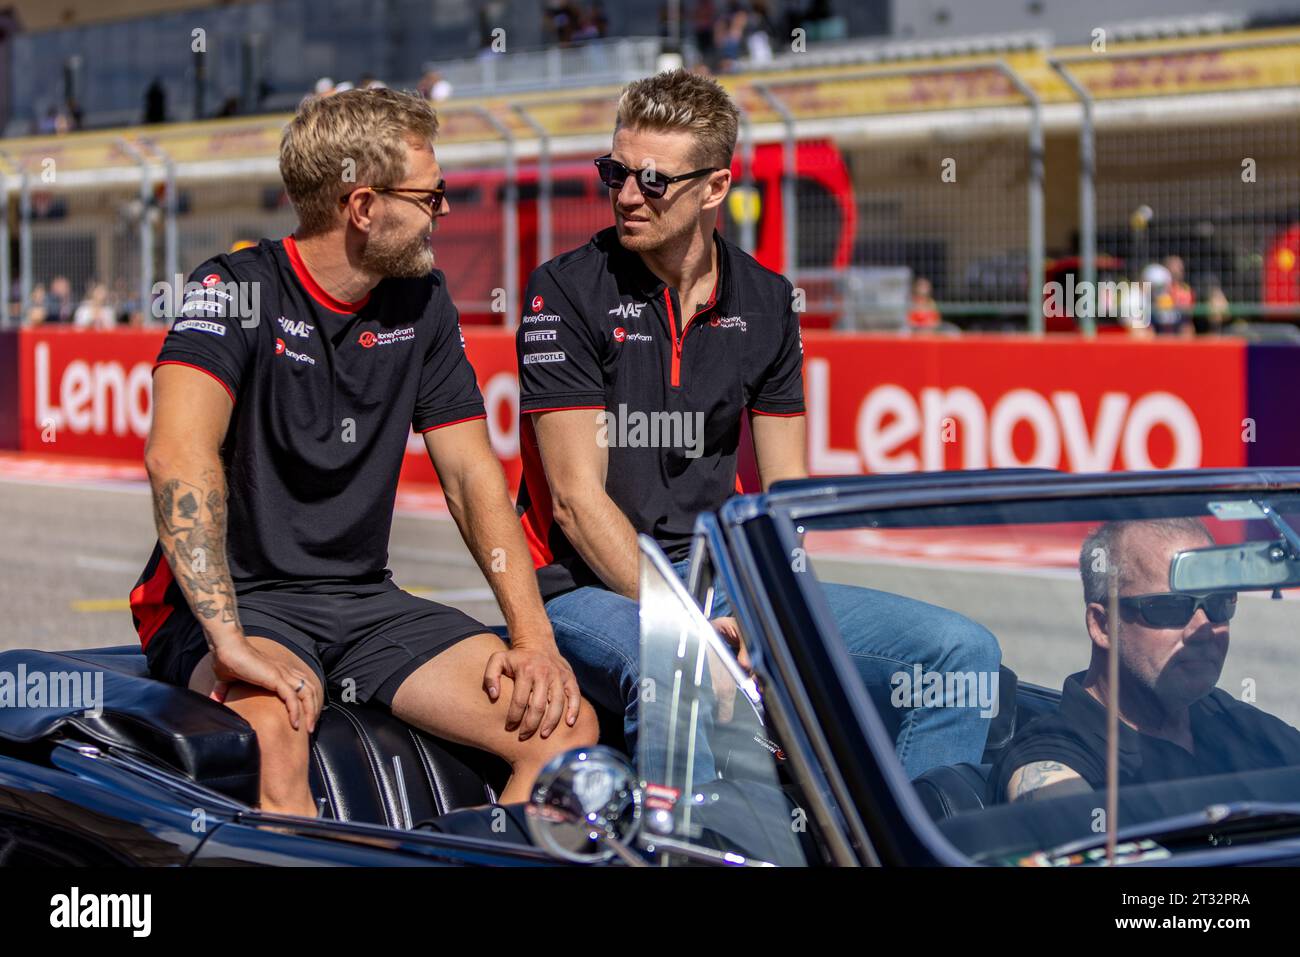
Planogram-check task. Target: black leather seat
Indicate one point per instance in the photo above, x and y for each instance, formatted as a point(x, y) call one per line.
point(365, 764)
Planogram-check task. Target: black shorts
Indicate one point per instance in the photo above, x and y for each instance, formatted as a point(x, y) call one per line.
point(362, 641)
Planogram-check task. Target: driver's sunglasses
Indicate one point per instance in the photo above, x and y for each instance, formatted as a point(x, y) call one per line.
point(1175, 610)
point(654, 184)
point(430, 199)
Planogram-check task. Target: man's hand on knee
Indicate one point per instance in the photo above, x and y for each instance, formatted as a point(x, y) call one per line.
point(241, 660)
point(545, 689)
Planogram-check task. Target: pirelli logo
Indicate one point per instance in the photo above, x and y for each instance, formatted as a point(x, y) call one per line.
point(540, 335)
point(536, 357)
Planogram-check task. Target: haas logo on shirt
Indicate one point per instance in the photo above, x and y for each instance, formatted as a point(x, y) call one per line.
point(366, 339)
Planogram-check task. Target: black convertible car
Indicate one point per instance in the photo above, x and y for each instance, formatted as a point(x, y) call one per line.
point(100, 765)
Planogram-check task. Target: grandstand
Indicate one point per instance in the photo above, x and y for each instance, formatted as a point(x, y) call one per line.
point(871, 126)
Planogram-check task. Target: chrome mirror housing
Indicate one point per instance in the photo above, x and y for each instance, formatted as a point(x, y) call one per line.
point(586, 807)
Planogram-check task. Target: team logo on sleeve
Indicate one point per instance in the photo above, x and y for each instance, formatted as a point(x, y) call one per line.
point(211, 279)
point(628, 310)
point(200, 325)
point(535, 357)
point(538, 302)
point(366, 339)
point(295, 327)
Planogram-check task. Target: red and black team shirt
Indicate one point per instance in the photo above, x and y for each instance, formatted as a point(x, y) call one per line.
point(600, 331)
point(326, 393)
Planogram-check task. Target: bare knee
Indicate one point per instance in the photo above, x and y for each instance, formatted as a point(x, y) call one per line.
point(584, 733)
point(283, 749)
point(586, 730)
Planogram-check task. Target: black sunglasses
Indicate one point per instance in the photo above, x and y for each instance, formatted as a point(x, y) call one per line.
point(430, 199)
point(654, 184)
point(1174, 610)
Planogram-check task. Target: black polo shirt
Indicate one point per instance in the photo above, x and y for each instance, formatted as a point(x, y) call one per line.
point(1227, 735)
point(601, 331)
point(326, 393)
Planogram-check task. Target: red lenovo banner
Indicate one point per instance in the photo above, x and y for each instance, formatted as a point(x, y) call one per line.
point(888, 404)
point(876, 403)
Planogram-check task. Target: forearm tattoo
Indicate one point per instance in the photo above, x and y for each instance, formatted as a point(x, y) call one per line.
point(191, 522)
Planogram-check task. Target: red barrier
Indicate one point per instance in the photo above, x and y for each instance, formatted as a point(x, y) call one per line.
point(876, 403)
point(886, 404)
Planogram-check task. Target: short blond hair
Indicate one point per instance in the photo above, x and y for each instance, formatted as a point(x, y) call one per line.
point(680, 101)
point(350, 139)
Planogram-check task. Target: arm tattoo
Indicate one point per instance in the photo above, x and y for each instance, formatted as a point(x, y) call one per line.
point(1044, 779)
point(191, 521)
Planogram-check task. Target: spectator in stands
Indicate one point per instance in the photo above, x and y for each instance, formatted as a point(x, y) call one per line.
point(761, 30)
point(433, 87)
point(1167, 317)
point(155, 102)
point(60, 305)
point(36, 309)
point(1183, 296)
point(1217, 310)
point(729, 35)
point(923, 311)
point(587, 28)
point(703, 16)
point(559, 20)
point(95, 312)
point(54, 122)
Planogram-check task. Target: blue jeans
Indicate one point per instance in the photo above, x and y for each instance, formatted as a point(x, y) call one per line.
point(886, 635)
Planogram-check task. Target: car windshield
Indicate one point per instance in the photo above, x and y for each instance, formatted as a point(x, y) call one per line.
point(1024, 655)
point(710, 775)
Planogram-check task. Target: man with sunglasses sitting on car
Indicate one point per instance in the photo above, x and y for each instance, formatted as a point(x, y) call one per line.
point(1173, 722)
point(640, 354)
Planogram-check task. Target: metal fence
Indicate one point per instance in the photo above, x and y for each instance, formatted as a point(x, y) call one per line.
point(1206, 184)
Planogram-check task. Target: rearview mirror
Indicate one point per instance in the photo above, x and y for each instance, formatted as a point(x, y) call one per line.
point(1248, 566)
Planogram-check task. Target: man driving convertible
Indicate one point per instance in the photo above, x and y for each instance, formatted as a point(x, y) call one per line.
point(295, 418)
point(1174, 723)
point(639, 354)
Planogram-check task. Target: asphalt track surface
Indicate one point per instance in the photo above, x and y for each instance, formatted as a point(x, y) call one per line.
point(70, 553)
